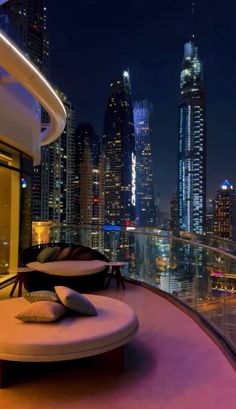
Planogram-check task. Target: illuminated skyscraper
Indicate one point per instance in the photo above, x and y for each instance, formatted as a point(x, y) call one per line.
point(209, 217)
point(119, 152)
point(26, 22)
point(145, 209)
point(225, 212)
point(61, 161)
point(192, 143)
point(90, 193)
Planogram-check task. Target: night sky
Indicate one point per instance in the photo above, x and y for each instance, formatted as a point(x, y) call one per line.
point(94, 40)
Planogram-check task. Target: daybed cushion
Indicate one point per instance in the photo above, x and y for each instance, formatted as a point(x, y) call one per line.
point(41, 311)
point(69, 267)
point(75, 301)
point(70, 337)
point(45, 254)
point(42, 295)
point(55, 254)
point(63, 254)
point(74, 253)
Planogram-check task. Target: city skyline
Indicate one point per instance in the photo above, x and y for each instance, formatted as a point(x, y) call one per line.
point(154, 66)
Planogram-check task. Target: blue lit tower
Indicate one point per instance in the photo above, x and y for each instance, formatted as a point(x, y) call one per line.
point(192, 143)
point(119, 154)
point(145, 209)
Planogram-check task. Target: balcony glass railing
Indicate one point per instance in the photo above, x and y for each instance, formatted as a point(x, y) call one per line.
point(198, 271)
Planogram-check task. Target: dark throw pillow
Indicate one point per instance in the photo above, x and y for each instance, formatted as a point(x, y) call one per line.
point(64, 254)
point(45, 254)
point(55, 254)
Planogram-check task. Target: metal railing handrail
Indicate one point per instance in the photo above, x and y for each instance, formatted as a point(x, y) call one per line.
point(136, 230)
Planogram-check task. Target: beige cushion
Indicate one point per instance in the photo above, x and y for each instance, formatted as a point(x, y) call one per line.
point(74, 253)
point(55, 254)
point(75, 301)
point(69, 267)
point(41, 311)
point(42, 295)
point(63, 254)
point(45, 254)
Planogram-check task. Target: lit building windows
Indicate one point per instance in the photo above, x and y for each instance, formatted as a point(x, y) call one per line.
point(192, 142)
point(145, 209)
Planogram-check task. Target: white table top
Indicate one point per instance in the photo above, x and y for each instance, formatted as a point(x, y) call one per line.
point(117, 263)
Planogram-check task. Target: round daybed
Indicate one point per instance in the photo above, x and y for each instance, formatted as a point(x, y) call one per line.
point(82, 276)
point(69, 338)
point(84, 272)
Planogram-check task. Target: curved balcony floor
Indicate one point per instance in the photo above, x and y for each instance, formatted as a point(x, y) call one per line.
point(171, 364)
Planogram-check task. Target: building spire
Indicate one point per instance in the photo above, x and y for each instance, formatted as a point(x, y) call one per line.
point(193, 20)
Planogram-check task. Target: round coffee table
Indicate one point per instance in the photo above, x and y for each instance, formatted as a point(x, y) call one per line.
point(115, 273)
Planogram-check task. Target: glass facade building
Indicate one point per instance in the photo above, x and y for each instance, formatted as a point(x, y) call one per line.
point(192, 143)
point(61, 163)
point(119, 154)
point(225, 212)
point(145, 209)
point(90, 182)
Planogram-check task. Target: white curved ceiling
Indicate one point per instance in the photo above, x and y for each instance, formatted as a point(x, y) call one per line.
point(25, 73)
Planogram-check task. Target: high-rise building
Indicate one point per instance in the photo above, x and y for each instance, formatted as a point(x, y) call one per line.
point(62, 170)
point(145, 209)
point(55, 178)
point(90, 193)
point(225, 212)
point(119, 154)
point(26, 21)
point(192, 143)
point(209, 217)
point(60, 195)
point(58, 182)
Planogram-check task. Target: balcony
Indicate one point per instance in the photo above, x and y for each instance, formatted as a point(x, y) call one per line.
point(183, 354)
point(171, 363)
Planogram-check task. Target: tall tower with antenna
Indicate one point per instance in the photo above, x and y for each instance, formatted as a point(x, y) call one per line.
point(192, 140)
point(119, 151)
